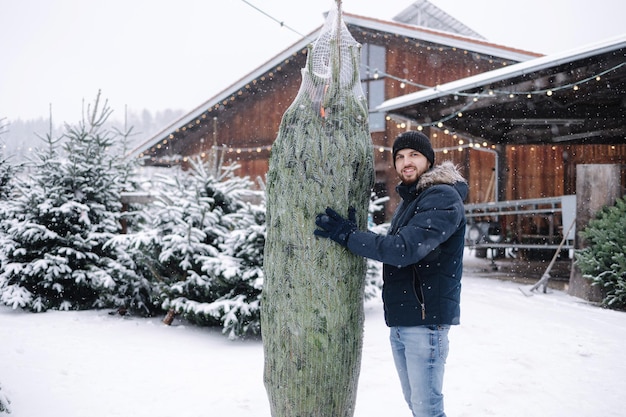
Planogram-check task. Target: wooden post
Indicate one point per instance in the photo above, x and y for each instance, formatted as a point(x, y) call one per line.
point(597, 185)
point(169, 317)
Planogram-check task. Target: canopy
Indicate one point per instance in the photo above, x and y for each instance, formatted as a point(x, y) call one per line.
point(575, 97)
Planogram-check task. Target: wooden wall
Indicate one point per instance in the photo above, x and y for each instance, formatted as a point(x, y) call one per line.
point(247, 124)
point(537, 171)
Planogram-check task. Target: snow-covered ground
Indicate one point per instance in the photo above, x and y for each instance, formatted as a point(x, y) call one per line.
point(548, 355)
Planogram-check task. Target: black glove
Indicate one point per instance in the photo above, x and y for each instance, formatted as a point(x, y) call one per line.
point(335, 227)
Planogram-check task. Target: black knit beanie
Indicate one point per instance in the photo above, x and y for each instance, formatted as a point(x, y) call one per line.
point(414, 140)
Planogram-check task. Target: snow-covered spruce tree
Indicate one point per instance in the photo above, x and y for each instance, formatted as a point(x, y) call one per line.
point(8, 172)
point(134, 291)
point(312, 304)
point(238, 269)
point(129, 176)
point(227, 291)
point(66, 211)
point(603, 261)
point(202, 247)
point(4, 402)
point(7, 183)
point(374, 275)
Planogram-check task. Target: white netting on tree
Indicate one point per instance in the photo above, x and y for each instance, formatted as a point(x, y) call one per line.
point(331, 76)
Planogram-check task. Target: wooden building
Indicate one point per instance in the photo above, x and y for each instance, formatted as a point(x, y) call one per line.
point(529, 126)
point(398, 58)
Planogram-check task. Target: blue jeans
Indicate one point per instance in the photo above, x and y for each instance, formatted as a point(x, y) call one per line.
point(420, 353)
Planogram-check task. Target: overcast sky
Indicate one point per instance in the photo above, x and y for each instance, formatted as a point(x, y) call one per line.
point(157, 54)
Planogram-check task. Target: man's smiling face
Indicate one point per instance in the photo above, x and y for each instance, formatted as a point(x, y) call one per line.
point(410, 165)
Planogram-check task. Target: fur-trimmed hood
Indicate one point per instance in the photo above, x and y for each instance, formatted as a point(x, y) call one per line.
point(445, 173)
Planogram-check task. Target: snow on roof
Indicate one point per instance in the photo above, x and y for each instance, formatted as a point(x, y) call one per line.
point(440, 37)
point(500, 74)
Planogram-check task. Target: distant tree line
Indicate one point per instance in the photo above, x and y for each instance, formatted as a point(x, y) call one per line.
point(20, 138)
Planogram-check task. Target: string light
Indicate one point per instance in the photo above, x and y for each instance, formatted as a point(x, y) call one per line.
point(403, 82)
point(529, 94)
point(177, 159)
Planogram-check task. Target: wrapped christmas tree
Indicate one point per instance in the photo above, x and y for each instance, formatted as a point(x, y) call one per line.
point(312, 301)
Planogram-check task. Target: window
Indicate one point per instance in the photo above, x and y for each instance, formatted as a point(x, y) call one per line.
point(373, 64)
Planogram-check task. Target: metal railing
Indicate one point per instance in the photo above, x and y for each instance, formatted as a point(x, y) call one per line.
point(504, 224)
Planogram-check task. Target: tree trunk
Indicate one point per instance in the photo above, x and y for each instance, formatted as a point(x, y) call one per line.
point(169, 317)
point(312, 302)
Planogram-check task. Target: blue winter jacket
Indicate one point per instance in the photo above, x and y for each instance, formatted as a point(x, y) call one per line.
point(423, 250)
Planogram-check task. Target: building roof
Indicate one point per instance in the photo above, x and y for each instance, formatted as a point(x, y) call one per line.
point(577, 95)
point(424, 13)
point(421, 34)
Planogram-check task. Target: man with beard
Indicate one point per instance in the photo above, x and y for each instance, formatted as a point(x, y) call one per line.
point(422, 256)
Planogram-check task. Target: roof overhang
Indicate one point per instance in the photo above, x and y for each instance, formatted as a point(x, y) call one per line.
point(577, 96)
point(394, 28)
point(439, 37)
